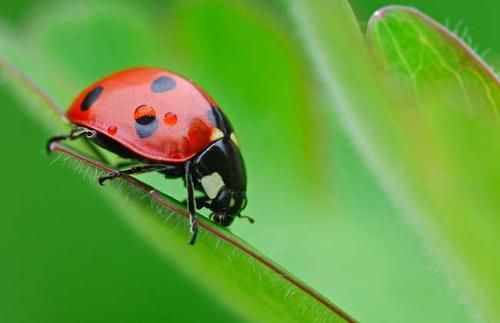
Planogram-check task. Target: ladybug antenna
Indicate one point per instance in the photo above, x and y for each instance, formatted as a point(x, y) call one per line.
point(250, 219)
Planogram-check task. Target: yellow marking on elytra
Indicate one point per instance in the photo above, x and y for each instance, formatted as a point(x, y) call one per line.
point(216, 134)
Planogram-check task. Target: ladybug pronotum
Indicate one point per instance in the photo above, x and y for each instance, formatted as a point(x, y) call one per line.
point(165, 124)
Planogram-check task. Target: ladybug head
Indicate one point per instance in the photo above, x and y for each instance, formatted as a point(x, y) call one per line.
point(227, 205)
point(220, 173)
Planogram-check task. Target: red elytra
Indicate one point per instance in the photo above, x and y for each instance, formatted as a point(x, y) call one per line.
point(157, 114)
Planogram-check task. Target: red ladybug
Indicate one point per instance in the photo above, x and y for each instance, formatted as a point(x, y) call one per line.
point(168, 125)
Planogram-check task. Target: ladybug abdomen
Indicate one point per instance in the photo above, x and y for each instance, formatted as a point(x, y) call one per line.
point(154, 113)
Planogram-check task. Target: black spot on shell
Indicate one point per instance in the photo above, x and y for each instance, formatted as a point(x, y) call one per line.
point(90, 98)
point(145, 120)
point(162, 84)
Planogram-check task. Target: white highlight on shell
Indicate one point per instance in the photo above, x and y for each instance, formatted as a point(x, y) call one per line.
point(212, 184)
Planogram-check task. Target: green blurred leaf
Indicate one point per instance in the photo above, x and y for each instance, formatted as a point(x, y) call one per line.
point(423, 158)
point(433, 60)
point(447, 76)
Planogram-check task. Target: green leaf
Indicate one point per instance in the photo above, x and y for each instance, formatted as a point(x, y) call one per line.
point(241, 283)
point(431, 157)
point(432, 59)
point(446, 75)
point(226, 266)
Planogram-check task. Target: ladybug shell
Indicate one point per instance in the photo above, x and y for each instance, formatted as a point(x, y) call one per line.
point(152, 112)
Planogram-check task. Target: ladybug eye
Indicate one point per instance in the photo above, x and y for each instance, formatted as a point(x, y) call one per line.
point(144, 114)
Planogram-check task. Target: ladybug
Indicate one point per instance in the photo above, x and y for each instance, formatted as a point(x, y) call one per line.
point(165, 123)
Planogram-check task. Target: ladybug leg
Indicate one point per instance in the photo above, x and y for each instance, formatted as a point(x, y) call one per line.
point(125, 164)
point(201, 202)
point(74, 134)
point(131, 171)
point(191, 204)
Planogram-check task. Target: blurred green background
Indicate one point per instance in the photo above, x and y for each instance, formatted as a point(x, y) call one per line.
point(68, 257)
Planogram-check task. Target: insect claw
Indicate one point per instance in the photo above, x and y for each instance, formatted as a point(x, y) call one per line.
point(194, 231)
point(108, 176)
